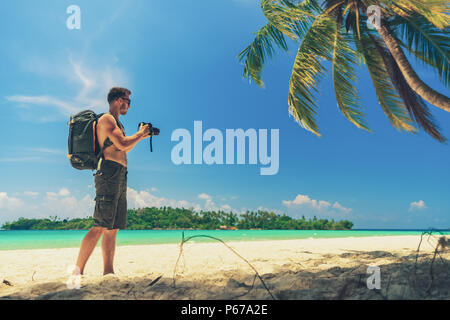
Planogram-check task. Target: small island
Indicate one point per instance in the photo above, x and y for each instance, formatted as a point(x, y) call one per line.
point(181, 218)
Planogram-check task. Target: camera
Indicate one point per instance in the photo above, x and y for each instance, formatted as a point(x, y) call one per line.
point(153, 132)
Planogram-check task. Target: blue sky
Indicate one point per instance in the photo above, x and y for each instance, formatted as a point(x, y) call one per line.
point(179, 60)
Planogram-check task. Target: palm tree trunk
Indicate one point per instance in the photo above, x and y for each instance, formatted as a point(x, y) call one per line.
point(422, 89)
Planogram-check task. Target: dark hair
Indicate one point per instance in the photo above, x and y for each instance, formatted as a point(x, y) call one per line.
point(116, 93)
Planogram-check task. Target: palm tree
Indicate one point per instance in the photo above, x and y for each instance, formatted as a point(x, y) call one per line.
point(337, 31)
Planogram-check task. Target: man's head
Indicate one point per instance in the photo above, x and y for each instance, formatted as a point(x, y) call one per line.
point(119, 100)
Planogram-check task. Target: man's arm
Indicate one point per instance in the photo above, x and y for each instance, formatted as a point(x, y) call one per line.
point(113, 132)
point(146, 131)
point(133, 145)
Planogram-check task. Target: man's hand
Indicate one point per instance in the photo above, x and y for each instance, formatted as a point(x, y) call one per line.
point(144, 131)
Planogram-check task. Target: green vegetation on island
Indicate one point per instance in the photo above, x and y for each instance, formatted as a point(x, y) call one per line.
point(180, 218)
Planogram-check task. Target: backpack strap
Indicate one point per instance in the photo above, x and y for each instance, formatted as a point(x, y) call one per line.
point(100, 154)
point(119, 124)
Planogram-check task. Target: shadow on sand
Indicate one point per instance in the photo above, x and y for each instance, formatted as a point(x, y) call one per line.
point(401, 278)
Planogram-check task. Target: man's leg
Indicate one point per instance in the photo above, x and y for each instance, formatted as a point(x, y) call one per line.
point(108, 249)
point(87, 246)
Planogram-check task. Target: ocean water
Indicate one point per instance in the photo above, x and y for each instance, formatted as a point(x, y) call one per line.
point(19, 240)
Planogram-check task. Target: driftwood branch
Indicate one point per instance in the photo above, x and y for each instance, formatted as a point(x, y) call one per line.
point(183, 241)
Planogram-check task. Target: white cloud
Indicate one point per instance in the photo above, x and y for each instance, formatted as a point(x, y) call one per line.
point(31, 193)
point(64, 192)
point(417, 205)
point(41, 155)
point(9, 203)
point(64, 107)
point(303, 204)
point(93, 83)
point(24, 159)
point(64, 204)
point(67, 207)
point(204, 196)
point(210, 205)
point(300, 199)
point(141, 199)
point(337, 206)
point(48, 151)
point(60, 204)
point(226, 207)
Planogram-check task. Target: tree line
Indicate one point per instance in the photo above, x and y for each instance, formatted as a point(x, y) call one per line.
point(181, 218)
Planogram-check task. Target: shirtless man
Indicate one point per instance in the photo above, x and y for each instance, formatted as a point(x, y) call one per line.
point(111, 181)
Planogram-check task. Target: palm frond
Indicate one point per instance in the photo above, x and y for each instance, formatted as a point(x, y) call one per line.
point(344, 61)
point(356, 9)
point(301, 26)
point(285, 18)
point(288, 18)
point(387, 95)
point(415, 105)
point(428, 43)
point(311, 6)
point(332, 5)
point(435, 11)
point(317, 45)
point(259, 50)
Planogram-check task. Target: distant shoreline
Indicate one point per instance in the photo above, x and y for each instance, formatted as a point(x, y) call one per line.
point(181, 218)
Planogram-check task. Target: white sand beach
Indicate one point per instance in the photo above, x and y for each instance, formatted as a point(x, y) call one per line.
point(291, 269)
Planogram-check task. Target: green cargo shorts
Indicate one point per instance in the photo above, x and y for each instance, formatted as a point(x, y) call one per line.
point(111, 196)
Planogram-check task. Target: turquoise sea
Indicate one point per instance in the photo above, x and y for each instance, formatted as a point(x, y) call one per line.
point(18, 240)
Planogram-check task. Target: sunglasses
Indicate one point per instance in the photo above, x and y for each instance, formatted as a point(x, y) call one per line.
point(127, 100)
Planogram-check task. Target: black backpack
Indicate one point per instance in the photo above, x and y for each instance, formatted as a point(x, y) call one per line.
point(84, 149)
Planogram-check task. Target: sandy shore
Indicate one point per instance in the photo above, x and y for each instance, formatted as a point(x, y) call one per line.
point(291, 269)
